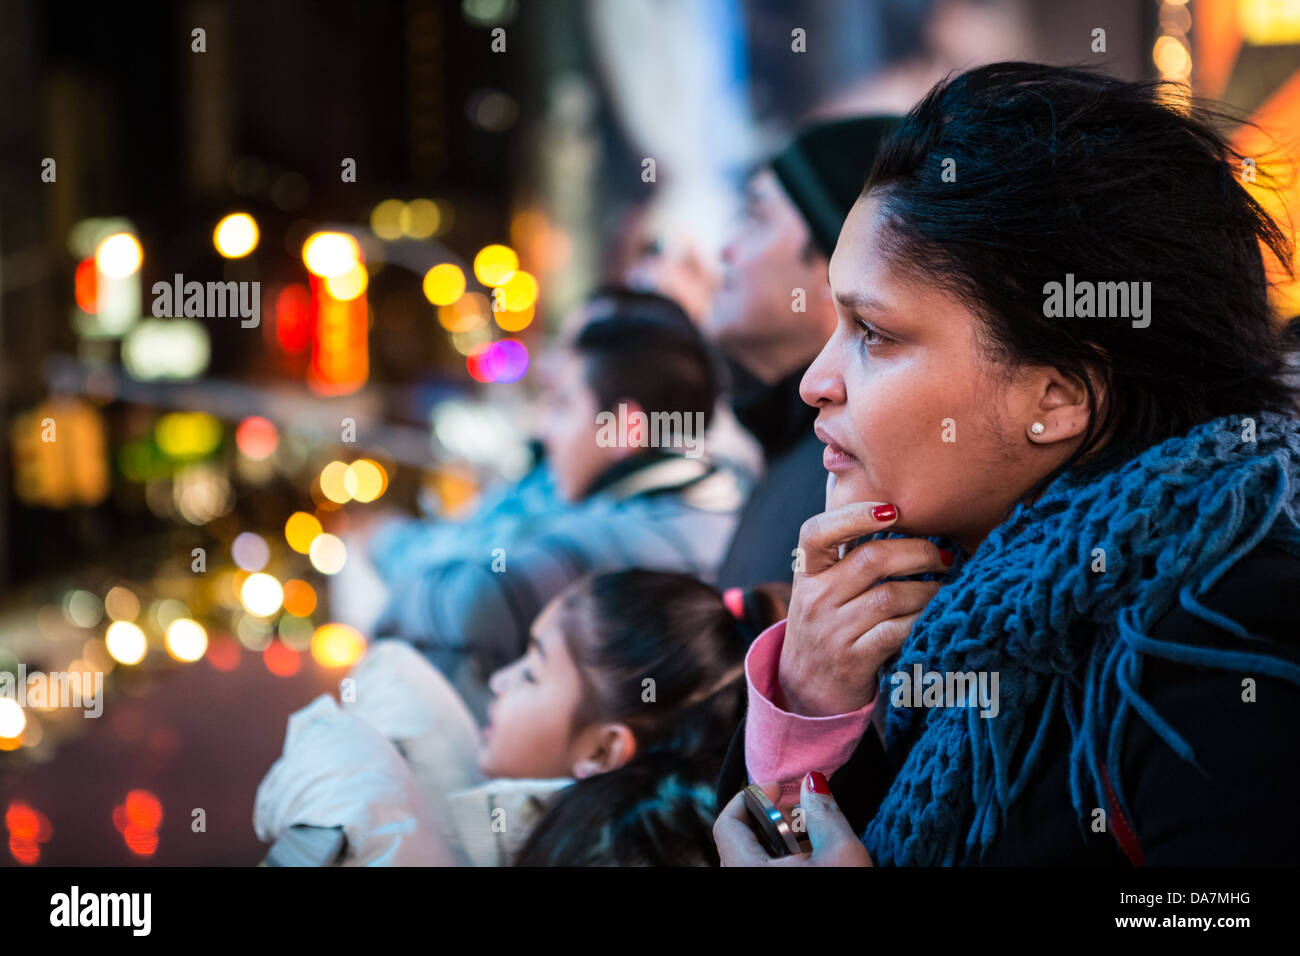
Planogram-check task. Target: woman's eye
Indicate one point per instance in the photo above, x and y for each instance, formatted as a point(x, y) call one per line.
point(528, 676)
point(869, 334)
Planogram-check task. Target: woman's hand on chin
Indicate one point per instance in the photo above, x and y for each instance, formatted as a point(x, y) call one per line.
point(843, 622)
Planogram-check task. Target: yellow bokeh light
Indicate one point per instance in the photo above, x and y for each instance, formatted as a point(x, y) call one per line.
point(517, 293)
point(444, 284)
point(1171, 57)
point(299, 598)
point(495, 264)
point(328, 554)
point(386, 219)
point(349, 285)
point(514, 321)
point(121, 604)
point(365, 480)
point(337, 645)
point(187, 434)
point(261, 594)
point(422, 218)
point(12, 718)
point(332, 484)
point(466, 342)
point(329, 254)
point(236, 235)
point(466, 314)
point(300, 530)
point(186, 640)
point(125, 642)
point(119, 255)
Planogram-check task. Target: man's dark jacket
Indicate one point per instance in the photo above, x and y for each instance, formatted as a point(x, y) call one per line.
point(793, 486)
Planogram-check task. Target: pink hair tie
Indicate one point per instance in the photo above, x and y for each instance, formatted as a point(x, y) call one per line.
point(734, 599)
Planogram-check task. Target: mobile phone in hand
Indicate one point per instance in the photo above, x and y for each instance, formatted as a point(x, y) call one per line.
point(770, 825)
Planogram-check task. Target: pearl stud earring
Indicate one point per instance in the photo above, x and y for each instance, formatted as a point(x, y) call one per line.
point(1037, 428)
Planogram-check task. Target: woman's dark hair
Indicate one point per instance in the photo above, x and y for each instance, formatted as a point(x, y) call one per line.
point(643, 346)
point(662, 654)
point(1054, 171)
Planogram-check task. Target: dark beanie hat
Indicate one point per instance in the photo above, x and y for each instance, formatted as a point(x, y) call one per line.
point(825, 168)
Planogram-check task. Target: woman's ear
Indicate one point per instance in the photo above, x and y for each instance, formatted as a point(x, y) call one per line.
point(1062, 411)
point(638, 426)
point(603, 748)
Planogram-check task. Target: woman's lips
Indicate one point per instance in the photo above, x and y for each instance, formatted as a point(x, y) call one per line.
point(834, 457)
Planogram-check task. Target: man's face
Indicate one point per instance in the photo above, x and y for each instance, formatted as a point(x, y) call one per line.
point(766, 261)
point(570, 428)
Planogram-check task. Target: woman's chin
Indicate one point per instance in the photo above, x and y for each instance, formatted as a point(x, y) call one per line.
point(849, 491)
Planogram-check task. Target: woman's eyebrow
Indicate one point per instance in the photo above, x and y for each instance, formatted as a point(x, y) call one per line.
point(861, 301)
point(535, 644)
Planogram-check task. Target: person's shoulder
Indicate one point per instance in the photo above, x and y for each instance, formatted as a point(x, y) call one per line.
point(1260, 592)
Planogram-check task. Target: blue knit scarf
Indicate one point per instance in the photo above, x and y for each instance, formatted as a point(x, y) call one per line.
point(1029, 606)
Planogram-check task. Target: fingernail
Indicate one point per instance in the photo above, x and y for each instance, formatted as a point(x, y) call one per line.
point(817, 783)
point(946, 557)
point(884, 512)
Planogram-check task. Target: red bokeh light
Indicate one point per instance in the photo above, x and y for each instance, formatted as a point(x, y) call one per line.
point(280, 660)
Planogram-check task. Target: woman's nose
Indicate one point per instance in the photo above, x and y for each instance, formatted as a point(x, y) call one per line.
point(823, 384)
point(498, 681)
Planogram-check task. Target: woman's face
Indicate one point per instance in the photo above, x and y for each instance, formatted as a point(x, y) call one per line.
point(912, 414)
point(530, 730)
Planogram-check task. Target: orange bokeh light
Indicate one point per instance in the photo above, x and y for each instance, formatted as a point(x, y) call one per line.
point(280, 660)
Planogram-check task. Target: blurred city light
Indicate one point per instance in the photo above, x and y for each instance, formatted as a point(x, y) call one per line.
point(365, 480)
point(328, 254)
point(337, 645)
point(328, 554)
point(187, 435)
point(386, 219)
point(515, 321)
point(299, 598)
point(421, 218)
point(340, 362)
point(186, 640)
point(83, 608)
point(333, 484)
point(121, 604)
point(119, 255)
point(517, 293)
point(250, 551)
point(236, 235)
point(261, 595)
point(281, 660)
point(257, 438)
point(126, 642)
point(293, 318)
point(12, 718)
point(466, 314)
point(444, 284)
point(349, 285)
point(86, 286)
point(300, 531)
point(175, 349)
point(495, 264)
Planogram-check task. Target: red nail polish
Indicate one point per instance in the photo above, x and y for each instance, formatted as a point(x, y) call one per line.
point(817, 783)
point(946, 557)
point(884, 512)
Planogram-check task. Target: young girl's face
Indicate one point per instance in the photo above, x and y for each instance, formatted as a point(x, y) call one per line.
point(530, 732)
